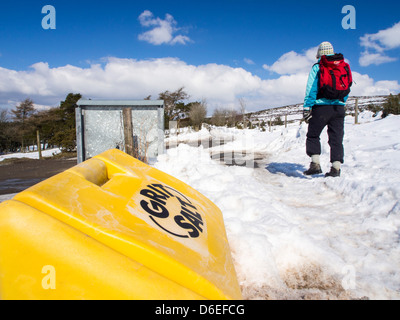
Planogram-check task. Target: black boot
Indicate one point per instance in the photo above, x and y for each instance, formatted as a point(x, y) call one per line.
point(333, 173)
point(315, 168)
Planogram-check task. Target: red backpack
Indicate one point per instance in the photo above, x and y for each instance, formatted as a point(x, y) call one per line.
point(335, 78)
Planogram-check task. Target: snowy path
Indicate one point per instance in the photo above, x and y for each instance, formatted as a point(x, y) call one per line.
point(325, 243)
point(294, 237)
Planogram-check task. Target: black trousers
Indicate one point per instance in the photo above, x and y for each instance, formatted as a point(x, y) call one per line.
point(333, 117)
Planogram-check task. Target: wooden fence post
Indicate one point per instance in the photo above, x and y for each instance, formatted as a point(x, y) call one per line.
point(128, 132)
point(356, 112)
point(38, 144)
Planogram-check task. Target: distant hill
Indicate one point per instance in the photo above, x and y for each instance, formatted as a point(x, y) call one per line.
point(295, 111)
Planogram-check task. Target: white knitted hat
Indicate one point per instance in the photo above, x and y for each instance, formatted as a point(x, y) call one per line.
point(325, 48)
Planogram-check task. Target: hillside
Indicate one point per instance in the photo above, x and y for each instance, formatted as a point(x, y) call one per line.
point(294, 112)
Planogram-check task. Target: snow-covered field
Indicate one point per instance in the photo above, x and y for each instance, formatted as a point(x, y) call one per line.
point(296, 237)
point(31, 155)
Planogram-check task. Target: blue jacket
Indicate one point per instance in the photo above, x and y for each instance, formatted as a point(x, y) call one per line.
point(310, 99)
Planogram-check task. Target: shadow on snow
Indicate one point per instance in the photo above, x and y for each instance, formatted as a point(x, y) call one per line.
point(293, 170)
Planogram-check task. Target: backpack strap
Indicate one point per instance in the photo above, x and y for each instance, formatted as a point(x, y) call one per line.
point(333, 78)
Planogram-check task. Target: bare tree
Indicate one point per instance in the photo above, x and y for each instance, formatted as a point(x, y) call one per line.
point(3, 116)
point(218, 117)
point(242, 106)
point(3, 129)
point(172, 101)
point(222, 117)
point(197, 113)
point(22, 113)
point(23, 110)
point(231, 117)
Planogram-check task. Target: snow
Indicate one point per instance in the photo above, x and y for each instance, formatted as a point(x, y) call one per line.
point(297, 237)
point(31, 155)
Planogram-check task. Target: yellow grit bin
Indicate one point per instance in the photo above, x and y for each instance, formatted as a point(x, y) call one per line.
point(113, 227)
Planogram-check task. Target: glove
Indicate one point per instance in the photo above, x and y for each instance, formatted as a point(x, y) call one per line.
point(307, 115)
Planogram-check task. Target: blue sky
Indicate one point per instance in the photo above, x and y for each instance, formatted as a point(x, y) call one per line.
point(249, 45)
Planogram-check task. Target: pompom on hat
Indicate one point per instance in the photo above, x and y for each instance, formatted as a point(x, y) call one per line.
point(325, 48)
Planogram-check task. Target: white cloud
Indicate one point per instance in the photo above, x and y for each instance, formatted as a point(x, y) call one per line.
point(248, 61)
point(162, 31)
point(379, 43)
point(364, 85)
point(384, 39)
point(367, 58)
point(293, 62)
point(117, 78)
